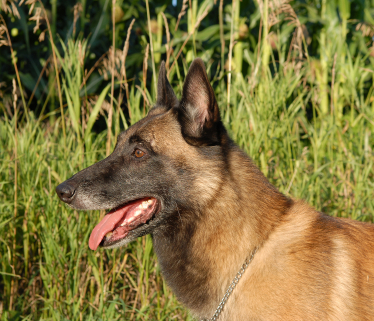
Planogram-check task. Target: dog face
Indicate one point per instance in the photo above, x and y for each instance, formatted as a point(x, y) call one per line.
point(148, 178)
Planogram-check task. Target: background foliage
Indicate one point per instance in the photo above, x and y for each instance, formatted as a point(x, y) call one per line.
point(294, 81)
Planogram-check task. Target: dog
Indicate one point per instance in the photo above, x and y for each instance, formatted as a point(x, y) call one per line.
point(229, 244)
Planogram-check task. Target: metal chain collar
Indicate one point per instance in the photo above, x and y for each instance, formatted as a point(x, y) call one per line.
point(232, 286)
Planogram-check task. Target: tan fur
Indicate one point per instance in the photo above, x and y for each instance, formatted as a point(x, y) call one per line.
point(289, 278)
point(216, 207)
point(300, 272)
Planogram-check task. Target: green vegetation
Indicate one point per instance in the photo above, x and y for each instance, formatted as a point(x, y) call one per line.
point(294, 81)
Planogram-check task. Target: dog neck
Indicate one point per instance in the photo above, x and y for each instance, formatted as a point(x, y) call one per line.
point(200, 251)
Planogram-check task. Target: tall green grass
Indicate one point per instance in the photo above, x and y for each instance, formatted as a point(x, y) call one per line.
point(301, 105)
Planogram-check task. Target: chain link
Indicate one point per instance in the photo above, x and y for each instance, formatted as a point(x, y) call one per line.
point(232, 286)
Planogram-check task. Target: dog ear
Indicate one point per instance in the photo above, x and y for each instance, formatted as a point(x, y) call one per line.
point(200, 114)
point(165, 94)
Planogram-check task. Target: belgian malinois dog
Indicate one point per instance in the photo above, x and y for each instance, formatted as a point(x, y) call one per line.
point(217, 222)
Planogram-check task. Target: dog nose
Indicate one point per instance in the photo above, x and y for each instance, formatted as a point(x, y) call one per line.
point(65, 192)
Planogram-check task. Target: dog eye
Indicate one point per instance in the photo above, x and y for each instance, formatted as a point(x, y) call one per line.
point(138, 153)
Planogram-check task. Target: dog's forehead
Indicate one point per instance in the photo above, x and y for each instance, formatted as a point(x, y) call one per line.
point(159, 129)
point(158, 125)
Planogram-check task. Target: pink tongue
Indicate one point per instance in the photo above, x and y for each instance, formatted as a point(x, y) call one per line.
point(106, 225)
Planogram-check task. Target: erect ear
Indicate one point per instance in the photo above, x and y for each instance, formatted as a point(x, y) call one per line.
point(200, 116)
point(165, 94)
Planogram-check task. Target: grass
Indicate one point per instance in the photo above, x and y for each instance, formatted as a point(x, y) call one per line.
point(306, 119)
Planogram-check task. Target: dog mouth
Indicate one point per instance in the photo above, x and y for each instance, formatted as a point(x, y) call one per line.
point(117, 223)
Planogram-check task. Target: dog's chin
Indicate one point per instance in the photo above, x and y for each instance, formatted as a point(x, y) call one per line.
point(126, 222)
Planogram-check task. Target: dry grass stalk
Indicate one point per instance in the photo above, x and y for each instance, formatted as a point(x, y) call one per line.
point(42, 36)
point(39, 79)
point(296, 46)
point(123, 66)
point(77, 10)
point(221, 32)
point(88, 74)
point(298, 41)
point(81, 53)
point(110, 114)
point(168, 45)
point(13, 287)
point(191, 13)
point(111, 64)
point(145, 69)
point(146, 101)
point(201, 18)
point(366, 29)
point(277, 8)
point(37, 17)
point(230, 53)
point(3, 41)
point(151, 44)
point(104, 107)
point(12, 8)
point(182, 13)
point(252, 80)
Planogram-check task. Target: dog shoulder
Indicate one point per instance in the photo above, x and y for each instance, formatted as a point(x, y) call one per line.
point(313, 262)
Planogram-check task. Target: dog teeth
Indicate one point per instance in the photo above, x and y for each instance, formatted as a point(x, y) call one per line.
point(108, 235)
point(127, 221)
point(138, 212)
point(144, 205)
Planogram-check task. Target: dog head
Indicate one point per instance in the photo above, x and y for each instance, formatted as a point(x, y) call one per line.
point(168, 162)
